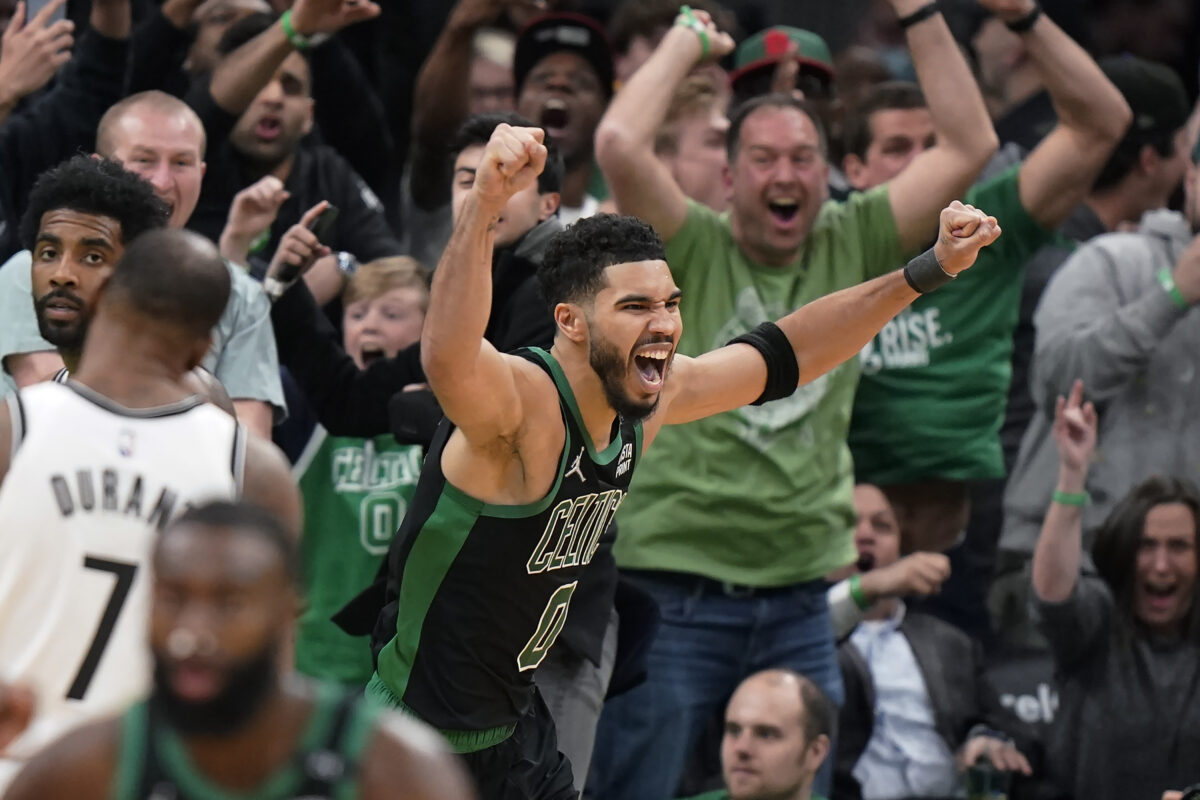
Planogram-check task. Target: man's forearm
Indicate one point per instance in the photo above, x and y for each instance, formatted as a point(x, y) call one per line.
point(440, 105)
point(834, 328)
point(241, 75)
point(440, 99)
point(1084, 99)
point(461, 296)
point(955, 103)
point(639, 108)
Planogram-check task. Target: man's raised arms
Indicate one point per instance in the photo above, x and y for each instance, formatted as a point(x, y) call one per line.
point(823, 333)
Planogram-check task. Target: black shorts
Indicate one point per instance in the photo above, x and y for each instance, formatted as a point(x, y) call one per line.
point(526, 765)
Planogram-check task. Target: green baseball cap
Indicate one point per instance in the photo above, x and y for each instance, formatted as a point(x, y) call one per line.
point(767, 48)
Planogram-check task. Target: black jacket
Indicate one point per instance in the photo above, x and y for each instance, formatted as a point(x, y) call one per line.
point(962, 698)
point(318, 173)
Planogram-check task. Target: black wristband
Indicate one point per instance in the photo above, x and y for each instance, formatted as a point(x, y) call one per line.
point(920, 15)
point(783, 371)
point(924, 273)
point(1026, 22)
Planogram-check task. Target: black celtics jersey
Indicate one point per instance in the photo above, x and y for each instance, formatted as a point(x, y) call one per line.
point(153, 762)
point(478, 593)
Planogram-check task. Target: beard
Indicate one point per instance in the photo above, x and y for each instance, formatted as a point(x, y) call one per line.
point(612, 369)
point(247, 688)
point(68, 336)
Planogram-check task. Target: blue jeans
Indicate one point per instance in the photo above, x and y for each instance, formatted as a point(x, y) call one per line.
point(708, 641)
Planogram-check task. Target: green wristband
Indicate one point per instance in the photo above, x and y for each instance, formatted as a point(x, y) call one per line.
point(857, 595)
point(1167, 280)
point(697, 26)
point(1069, 498)
point(294, 39)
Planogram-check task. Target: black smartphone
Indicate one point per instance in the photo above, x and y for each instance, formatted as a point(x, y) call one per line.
point(34, 7)
point(322, 226)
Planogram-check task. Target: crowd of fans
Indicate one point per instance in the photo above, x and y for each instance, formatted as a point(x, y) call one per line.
point(966, 556)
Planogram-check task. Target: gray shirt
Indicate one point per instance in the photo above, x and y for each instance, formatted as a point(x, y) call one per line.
point(1105, 318)
point(242, 356)
point(1128, 725)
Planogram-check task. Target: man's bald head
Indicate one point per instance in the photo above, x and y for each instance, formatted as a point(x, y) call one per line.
point(817, 710)
point(777, 730)
point(174, 278)
point(108, 132)
point(160, 139)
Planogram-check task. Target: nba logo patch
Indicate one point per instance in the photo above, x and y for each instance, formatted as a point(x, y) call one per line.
point(125, 443)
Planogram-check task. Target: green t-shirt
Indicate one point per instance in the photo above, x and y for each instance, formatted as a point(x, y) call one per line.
point(761, 495)
point(935, 380)
point(355, 494)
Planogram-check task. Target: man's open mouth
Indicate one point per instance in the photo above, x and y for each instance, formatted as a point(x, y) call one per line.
point(784, 210)
point(269, 128)
point(651, 365)
point(555, 117)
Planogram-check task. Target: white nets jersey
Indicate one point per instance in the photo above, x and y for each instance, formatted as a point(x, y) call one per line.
point(89, 486)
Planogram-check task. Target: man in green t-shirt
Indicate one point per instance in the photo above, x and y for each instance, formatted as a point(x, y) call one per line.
point(777, 730)
point(934, 382)
point(736, 519)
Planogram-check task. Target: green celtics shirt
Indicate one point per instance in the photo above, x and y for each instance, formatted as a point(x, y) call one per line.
point(761, 495)
point(935, 380)
point(355, 491)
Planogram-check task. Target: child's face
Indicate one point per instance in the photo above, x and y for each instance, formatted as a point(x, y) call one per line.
point(382, 326)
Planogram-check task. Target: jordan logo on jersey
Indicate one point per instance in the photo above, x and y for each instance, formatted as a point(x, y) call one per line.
point(576, 469)
point(114, 493)
point(573, 531)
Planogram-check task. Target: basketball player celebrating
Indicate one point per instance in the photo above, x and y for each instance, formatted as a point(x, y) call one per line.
point(222, 721)
point(92, 469)
point(68, 229)
point(539, 448)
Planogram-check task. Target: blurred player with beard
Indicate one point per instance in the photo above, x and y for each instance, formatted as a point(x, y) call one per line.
point(539, 447)
point(222, 720)
point(91, 471)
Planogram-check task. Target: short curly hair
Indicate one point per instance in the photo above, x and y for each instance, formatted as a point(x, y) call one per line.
point(94, 186)
point(572, 269)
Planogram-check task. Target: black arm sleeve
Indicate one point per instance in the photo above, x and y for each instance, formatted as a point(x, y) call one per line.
point(157, 52)
point(348, 401)
point(60, 124)
point(783, 371)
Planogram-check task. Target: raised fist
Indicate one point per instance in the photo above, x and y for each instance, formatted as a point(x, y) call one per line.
point(963, 231)
point(701, 23)
point(915, 575)
point(512, 161)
